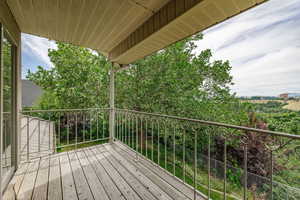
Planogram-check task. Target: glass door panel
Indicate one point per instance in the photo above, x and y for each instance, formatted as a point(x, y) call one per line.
point(7, 123)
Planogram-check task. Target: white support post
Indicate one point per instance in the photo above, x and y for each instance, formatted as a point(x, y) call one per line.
point(17, 105)
point(112, 104)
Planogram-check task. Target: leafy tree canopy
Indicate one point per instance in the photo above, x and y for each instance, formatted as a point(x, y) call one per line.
point(178, 81)
point(77, 80)
point(175, 81)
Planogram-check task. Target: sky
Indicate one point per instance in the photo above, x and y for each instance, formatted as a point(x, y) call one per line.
point(262, 45)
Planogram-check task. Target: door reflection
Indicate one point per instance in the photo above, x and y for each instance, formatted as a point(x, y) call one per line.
point(7, 55)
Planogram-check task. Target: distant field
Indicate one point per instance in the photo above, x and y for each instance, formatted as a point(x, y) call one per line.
point(261, 101)
point(292, 104)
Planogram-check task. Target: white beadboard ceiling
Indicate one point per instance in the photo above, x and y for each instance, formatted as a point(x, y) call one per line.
point(124, 30)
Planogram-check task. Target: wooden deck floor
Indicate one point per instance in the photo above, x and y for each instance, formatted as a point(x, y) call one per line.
point(108, 172)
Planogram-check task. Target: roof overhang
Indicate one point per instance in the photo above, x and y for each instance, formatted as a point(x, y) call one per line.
point(123, 30)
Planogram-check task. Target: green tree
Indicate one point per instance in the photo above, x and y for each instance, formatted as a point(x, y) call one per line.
point(79, 78)
point(7, 75)
point(178, 81)
point(175, 81)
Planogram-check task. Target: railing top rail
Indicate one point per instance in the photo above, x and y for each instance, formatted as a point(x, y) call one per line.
point(63, 110)
point(33, 118)
point(212, 123)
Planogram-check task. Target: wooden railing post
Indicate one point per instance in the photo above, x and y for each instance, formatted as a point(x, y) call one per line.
point(112, 104)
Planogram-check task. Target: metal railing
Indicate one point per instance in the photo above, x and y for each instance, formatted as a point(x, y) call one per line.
point(45, 132)
point(214, 158)
point(217, 159)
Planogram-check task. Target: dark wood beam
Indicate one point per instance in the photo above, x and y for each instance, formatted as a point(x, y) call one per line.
point(161, 18)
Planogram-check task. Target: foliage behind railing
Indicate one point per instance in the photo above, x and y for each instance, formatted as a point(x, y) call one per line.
point(220, 160)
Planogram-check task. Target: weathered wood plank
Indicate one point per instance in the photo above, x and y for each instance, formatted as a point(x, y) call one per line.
point(54, 185)
point(170, 179)
point(41, 185)
point(135, 171)
point(68, 184)
point(14, 185)
point(24, 168)
point(107, 172)
point(95, 185)
point(139, 188)
point(82, 186)
point(155, 178)
point(111, 189)
point(126, 190)
point(27, 186)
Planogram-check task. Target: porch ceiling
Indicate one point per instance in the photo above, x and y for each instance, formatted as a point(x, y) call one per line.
point(124, 30)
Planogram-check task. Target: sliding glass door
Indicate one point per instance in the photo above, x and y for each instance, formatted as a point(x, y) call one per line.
point(7, 77)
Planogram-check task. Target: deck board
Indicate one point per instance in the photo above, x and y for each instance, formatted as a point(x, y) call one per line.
point(16, 182)
point(41, 185)
point(107, 171)
point(54, 184)
point(142, 190)
point(68, 184)
point(27, 187)
point(165, 186)
point(124, 187)
point(81, 184)
point(186, 190)
point(94, 183)
point(111, 189)
point(138, 173)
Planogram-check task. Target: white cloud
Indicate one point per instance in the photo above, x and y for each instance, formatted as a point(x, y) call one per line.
point(263, 46)
point(37, 48)
point(275, 73)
